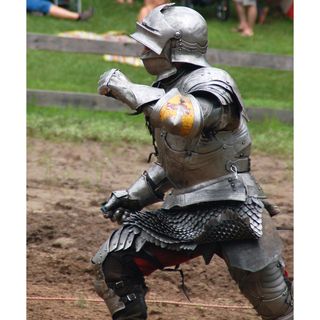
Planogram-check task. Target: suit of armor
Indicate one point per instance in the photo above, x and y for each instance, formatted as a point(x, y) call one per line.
point(211, 202)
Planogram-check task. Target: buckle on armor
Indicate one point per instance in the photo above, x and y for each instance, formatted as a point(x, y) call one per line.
point(234, 169)
point(119, 284)
point(239, 165)
point(128, 298)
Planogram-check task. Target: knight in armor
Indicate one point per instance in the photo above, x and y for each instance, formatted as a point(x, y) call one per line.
point(212, 204)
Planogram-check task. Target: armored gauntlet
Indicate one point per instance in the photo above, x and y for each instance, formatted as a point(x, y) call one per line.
point(115, 84)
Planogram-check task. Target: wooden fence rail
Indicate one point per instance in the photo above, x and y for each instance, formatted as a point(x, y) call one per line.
point(214, 56)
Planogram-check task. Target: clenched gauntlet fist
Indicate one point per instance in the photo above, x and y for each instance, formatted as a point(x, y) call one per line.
point(118, 207)
point(114, 83)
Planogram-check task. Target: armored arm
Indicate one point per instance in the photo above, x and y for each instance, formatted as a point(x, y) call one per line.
point(217, 96)
point(148, 189)
point(207, 100)
point(188, 114)
point(115, 84)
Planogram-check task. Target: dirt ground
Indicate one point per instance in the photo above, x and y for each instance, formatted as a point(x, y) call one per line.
point(65, 186)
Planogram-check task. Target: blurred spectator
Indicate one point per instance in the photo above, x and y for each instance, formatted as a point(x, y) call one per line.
point(267, 6)
point(247, 14)
point(48, 8)
point(287, 8)
point(263, 10)
point(148, 6)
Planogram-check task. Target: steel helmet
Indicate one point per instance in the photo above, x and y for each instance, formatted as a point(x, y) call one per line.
point(185, 28)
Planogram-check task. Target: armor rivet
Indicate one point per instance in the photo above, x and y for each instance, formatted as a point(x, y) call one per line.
point(229, 179)
point(232, 184)
point(224, 147)
point(243, 142)
point(178, 34)
point(241, 154)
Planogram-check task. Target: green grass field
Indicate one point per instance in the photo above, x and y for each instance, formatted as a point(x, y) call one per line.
point(116, 127)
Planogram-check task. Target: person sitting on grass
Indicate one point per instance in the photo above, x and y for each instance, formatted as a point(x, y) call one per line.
point(48, 8)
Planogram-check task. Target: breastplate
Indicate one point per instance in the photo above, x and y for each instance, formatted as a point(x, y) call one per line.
point(188, 162)
point(206, 168)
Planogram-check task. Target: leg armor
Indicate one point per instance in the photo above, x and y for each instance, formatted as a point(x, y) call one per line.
point(123, 288)
point(268, 290)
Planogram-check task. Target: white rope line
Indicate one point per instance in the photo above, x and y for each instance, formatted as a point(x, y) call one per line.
point(188, 304)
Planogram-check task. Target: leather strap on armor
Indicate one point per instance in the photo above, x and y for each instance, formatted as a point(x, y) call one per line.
point(112, 300)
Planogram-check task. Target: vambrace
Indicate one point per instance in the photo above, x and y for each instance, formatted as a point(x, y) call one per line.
point(177, 113)
point(115, 84)
point(150, 187)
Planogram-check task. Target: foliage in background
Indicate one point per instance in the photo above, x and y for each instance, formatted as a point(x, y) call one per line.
point(116, 127)
point(80, 73)
point(276, 36)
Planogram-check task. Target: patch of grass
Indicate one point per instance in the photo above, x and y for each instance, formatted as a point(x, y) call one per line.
point(272, 137)
point(82, 124)
point(72, 124)
point(276, 36)
point(80, 73)
point(264, 87)
point(73, 71)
